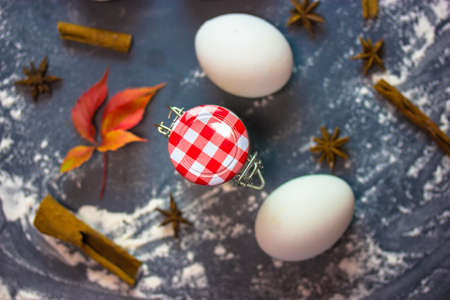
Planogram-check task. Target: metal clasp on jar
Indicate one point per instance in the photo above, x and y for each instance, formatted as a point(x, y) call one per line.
point(251, 169)
point(166, 130)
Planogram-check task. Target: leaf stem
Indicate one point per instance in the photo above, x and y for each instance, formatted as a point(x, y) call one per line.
point(105, 174)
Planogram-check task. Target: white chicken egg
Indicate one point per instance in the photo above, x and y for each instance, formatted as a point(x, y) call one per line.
point(304, 217)
point(244, 55)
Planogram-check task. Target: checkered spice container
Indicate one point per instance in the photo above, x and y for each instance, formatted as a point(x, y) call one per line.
point(209, 145)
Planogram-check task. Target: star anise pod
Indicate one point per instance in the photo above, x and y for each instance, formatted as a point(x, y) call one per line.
point(38, 79)
point(304, 12)
point(370, 54)
point(328, 146)
point(174, 216)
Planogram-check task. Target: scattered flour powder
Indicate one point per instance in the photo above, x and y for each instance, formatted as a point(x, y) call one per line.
point(192, 78)
point(192, 276)
point(4, 291)
point(366, 259)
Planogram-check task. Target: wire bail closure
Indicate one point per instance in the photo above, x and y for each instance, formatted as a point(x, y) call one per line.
point(252, 167)
point(162, 128)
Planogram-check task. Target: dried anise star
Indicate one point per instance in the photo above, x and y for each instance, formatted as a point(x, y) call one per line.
point(370, 54)
point(38, 79)
point(304, 12)
point(328, 146)
point(174, 216)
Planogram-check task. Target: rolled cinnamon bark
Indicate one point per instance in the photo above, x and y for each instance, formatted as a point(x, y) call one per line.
point(413, 113)
point(369, 8)
point(55, 220)
point(98, 37)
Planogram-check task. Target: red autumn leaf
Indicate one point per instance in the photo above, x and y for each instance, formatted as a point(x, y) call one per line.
point(86, 106)
point(76, 157)
point(116, 139)
point(124, 111)
point(126, 108)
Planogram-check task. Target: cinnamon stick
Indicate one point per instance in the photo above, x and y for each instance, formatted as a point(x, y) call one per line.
point(98, 37)
point(413, 113)
point(55, 220)
point(369, 8)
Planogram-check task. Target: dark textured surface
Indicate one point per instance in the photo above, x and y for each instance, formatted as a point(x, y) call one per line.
point(398, 245)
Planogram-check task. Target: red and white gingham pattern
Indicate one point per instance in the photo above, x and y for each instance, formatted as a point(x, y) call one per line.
point(208, 145)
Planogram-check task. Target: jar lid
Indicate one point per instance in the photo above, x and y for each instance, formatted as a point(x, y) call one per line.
point(208, 145)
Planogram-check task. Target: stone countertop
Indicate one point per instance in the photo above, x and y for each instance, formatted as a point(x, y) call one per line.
point(398, 244)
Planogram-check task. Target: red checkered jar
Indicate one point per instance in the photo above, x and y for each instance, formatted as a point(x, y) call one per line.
point(209, 145)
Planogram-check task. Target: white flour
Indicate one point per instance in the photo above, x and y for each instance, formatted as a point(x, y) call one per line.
point(192, 276)
point(160, 251)
point(121, 226)
point(150, 283)
point(5, 144)
point(4, 291)
point(29, 295)
point(415, 47)
point(12, 103)
point(44, 144)
point(193, 77)
point(368, 258)
point(106, 279)
point(365, 265)
point(219, 250)
point(6, 99)
point(442, 172)
point(421, 162)
point(65, 253)
point(18, 196)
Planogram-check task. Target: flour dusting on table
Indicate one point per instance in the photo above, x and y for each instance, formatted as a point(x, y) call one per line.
point(366, 260)
point(193, 77)
point(4, 291)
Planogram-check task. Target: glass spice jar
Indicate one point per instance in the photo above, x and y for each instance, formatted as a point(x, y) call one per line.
point(209, 145)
